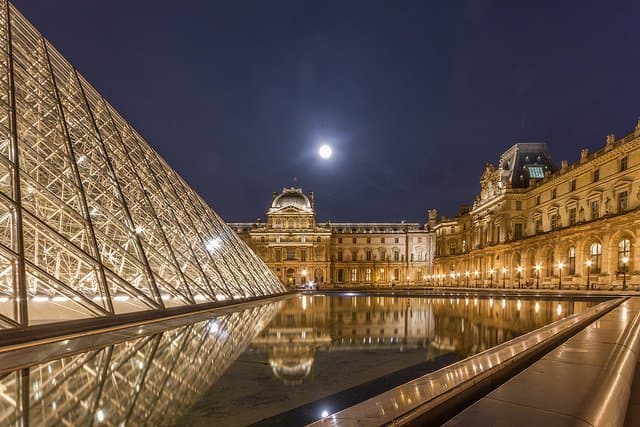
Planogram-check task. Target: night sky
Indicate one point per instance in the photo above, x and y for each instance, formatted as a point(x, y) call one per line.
point(415, 97)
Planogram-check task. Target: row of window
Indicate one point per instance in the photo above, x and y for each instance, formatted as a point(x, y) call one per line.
point(623, 166)
point(381, 275)
point(354, 240)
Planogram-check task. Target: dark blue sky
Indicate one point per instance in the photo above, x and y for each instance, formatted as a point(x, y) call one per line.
point(415, 96)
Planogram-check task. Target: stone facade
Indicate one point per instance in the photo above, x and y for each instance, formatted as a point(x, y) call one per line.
point(544, 225)
point(299, 250)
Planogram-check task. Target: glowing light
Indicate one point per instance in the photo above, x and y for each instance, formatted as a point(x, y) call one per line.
point(213, 244)
point(325, 151)
point(559, 309)
point(100, 415)
point(324, 413)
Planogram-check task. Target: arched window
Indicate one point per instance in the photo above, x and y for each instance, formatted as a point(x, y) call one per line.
point(624, 250)
point(572, 260)
point(596, 257)
point(354, 274)
point(550, 262)
point(367, 275)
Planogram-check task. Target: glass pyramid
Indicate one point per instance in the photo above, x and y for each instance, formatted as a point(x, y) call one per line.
point(93, 222)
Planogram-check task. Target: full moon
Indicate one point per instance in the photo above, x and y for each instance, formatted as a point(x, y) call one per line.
point(325, 151)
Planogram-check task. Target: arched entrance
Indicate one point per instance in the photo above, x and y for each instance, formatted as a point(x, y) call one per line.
point(291, 277)
point(318, 276)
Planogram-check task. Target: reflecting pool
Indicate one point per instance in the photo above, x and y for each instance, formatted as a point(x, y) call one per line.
point(277, 362)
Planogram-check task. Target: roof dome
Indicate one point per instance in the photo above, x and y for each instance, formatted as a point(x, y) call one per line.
point(291, 197)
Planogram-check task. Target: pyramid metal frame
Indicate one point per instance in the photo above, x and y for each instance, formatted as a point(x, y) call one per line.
point(148, 380)
point(93, 222)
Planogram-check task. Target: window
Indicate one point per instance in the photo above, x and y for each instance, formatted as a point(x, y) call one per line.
point(536, 172)
point(354, 275)
point(624, 250)
point(622, 201)
point(340, 275)
point(596, 257)
point(339, 255)
point(354, 256)
point(367, 275)
point(278, 255)
point(382, 240)
point(517, 232)
point(624, 163)
point(596, 175)
point(538, 225)
point(383, 255)
point(368, 239)
point(397, 240)
point(318, 239)
point(354, 240)
point(368, 255)
point(303, 254)
point(303, 239)
point(518, 205)
point(554, 193)
point(340, 240)
point(396, 274)
point(291, 254)
point(573, 185)
point(382, 275)
point(572, 260)
point(555, 221)
point(595, 209)
point(396, 256)
point(537, 200)
point(572, 216)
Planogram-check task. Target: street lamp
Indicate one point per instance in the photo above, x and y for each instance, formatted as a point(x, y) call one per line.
point(519, 269)
point(304, 276)
point(625, 262)
point(538, 267)
point(451, 276)
point(491, 271)
point(466, 275)
point(458, 279)
point(476, 273)
point(560, 267)
point(588, 263)
point(504, 276)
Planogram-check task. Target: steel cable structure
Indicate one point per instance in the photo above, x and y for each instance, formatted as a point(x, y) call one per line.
point(93, 222)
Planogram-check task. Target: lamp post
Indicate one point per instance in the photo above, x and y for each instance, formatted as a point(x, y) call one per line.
point(560, 267)
point(466, 276)
point(538, 267)
point(304, 277)
point(588, 264)
point(451, 276)
point(504, 276)
point(491, 271)
point(476, 273)
point(458, 279)
point(625, 262)
point(519, 270)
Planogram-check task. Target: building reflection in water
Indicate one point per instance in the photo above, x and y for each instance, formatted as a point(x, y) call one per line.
point(151, 380)
point(464, 326)
point(155, 379)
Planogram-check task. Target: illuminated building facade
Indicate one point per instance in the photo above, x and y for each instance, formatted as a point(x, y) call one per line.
point(300, 250)
point(93, 222)
point(548, 226)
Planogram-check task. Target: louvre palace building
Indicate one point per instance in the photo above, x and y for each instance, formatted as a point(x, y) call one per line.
point(545, 226)
point(532, 224)
point(300, 250)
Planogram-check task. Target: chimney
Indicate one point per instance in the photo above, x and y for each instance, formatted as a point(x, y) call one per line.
point(637, 131)
point(311, 198)
point(564, 164)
